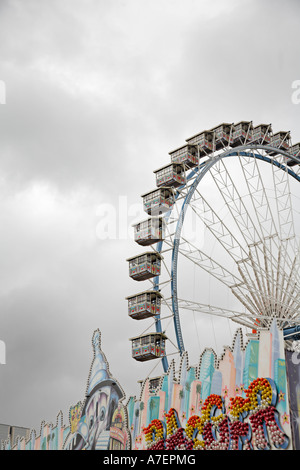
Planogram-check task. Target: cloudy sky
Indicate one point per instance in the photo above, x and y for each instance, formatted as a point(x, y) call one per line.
point(97, 93)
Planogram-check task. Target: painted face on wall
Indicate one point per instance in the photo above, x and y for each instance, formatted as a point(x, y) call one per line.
point(96, 417)
point(95, 420)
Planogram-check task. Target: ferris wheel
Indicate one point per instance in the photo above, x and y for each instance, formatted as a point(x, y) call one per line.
point(220, 240)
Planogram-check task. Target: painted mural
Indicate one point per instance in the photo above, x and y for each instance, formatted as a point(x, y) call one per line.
point(246, 399)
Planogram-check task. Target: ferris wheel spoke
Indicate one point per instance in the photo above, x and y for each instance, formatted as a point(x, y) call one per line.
point(283, 226)
point(245, 264)
point(258, 196)
point(256, 269)
point(245, 318)
point(256, 299)
point(262, 276)
point(290, 293)
point(292, 308)
point(239, 212)
point(245, 302)
point(267, 270)
point(206, 262)
point(230, 243)
point(219, 230)
point(285, 211)
point(269, 299)
point(240, 286)
point(264, 213)
point(283, 199)
point(268, 304)
point(209, 309)
point(233, 200)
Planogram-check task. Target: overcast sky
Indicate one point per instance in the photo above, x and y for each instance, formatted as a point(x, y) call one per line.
point(97, 93)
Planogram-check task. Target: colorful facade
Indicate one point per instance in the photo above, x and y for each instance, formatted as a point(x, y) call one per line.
point(247, 399)
point(240, 401)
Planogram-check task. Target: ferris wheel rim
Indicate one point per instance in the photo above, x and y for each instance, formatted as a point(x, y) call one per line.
point(200, 172)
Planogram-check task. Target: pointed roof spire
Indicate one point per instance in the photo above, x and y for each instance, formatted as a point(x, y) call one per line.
point(99, 371)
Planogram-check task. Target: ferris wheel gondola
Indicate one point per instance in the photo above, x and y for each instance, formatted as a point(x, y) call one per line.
point(239, 182)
